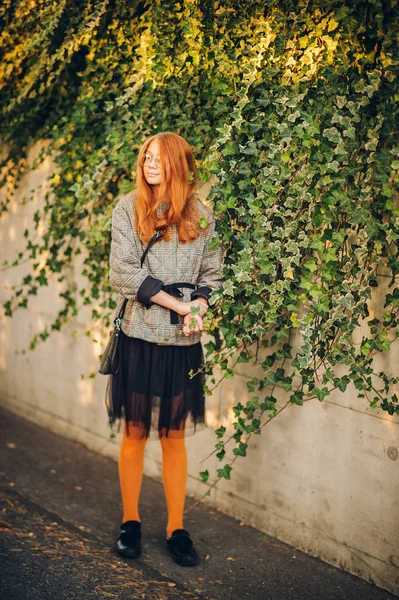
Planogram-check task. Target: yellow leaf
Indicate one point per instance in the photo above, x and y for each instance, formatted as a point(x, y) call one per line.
point(56, 179)
point(332, 25)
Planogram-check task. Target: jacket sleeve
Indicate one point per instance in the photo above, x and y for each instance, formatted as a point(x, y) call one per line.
point(210, 276)
point(126, 274)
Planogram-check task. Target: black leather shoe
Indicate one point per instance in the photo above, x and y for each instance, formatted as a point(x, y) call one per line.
point(129, 541)
point(181, 548)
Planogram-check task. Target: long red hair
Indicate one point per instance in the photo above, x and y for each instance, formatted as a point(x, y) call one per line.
point(178, 186)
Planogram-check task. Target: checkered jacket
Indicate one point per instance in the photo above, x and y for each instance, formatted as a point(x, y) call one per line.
point(165, 263)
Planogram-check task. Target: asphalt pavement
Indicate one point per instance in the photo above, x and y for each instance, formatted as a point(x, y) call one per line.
point(61, 511)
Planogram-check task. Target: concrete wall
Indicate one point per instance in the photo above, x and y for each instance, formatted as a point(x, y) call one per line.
point(322, 477)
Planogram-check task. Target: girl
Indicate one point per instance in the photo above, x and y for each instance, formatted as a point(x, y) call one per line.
point(160, 339)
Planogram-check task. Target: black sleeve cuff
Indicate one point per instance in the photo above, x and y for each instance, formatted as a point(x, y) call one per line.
point(148, 288)
point(201, 292)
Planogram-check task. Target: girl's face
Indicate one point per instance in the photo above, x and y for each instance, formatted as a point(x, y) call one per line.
point(151, 164)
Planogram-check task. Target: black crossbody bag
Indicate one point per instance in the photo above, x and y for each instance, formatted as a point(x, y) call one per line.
point(110, 359)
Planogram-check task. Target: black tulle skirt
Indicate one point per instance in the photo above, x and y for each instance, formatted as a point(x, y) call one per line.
point(158, 391)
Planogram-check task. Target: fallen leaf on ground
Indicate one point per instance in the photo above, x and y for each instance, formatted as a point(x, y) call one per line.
point(10, 445)
point(279, 546)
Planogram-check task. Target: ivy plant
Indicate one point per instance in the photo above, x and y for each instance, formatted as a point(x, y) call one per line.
point(292, 107)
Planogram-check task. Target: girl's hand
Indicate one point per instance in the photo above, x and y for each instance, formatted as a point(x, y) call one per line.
point(185, 307)
point(192, 324)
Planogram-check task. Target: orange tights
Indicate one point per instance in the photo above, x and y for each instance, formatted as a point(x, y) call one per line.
point(174, 475)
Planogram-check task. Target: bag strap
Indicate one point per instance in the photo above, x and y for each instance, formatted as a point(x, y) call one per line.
point(152, 241)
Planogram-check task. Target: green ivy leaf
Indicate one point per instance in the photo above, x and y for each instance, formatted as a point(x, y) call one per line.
point(225, 472)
